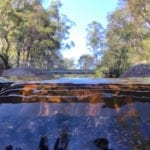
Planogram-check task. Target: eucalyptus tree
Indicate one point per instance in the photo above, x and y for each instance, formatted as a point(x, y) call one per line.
point(86, 62)
point(140, 10)
point(95, 39)
point(63, 24)
point(32, 34)
point(127, 40)
point(7, 26)
point(34, 37)
point(69, 63)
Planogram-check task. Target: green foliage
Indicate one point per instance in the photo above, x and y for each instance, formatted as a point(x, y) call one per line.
point(95, 39)
point(126, 40)
point(33, 33)
point(68, 63)
point(86, 62)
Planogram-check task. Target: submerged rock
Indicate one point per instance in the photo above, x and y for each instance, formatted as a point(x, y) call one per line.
point(141, 70)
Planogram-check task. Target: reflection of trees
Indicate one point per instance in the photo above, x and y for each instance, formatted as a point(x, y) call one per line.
point(112, 96)
point(123, 128)
point(44, 109)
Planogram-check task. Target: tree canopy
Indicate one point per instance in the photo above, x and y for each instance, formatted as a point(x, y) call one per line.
point(126, 38)
point(31, 35)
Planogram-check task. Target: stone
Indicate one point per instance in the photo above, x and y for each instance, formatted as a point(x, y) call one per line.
point(24, 73)
point(141, 70)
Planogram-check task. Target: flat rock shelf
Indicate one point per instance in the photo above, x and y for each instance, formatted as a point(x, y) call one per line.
point(75, 114)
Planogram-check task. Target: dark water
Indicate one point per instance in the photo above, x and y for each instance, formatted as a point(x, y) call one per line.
point(83, 109)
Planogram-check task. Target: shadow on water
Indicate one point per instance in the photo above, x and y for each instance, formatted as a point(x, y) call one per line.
point(76, 114)
point(62, 143)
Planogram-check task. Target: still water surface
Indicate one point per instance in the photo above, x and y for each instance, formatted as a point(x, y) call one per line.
point(83, 109)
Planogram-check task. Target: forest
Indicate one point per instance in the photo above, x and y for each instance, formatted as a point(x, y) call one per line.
point(31, 35)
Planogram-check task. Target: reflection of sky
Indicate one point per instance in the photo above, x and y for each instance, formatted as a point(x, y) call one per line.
point(95, 81)
point(70, 109)
point(22, 124)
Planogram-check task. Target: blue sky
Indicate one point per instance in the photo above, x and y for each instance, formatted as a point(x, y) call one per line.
point(82, 12)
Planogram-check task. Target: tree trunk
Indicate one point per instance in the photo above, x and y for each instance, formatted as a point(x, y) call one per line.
point(18, 58)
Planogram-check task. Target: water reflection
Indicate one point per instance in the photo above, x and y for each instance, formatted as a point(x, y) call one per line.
point(126, 128)
point(9, 147)
point(101, 143)
point(62, 141)
point(50, 116)
point(43, 143)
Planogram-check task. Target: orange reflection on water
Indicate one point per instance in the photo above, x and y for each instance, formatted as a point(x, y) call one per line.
point(94, 109)
point(27, 89)
point(95, 96)
point(117, 107)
